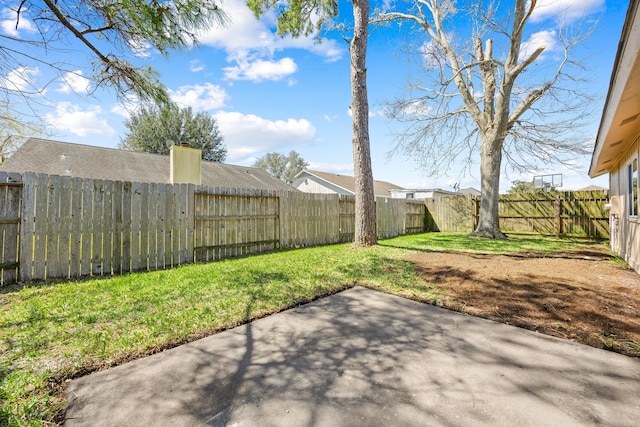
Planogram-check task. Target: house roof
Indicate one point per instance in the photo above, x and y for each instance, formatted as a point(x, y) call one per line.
point(592, 188)
point(86, 161)
point(620, 122)
point(348, 183)
point(470, 190)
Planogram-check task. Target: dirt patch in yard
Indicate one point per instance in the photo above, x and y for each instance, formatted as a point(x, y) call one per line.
point(581, 296)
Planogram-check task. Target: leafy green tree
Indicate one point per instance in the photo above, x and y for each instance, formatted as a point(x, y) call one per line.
point(519, 187)
point(303, 17)
point(281, 166)
point(113, 33)
point(150, 128)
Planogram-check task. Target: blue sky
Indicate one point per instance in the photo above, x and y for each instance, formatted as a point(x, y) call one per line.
point(279, 94)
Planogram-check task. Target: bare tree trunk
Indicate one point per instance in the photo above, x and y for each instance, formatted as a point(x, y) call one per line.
point(490, 161)
point(365, 229)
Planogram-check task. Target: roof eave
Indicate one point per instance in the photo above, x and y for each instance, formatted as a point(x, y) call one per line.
point(616, 88)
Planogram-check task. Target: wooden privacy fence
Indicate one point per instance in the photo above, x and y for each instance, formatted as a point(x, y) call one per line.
point(75, 227)
point(571, 213)
point(451, 214)
point(63, 227)
point(235, 222)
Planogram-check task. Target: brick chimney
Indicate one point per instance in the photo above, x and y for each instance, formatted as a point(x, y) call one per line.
point(184, 164)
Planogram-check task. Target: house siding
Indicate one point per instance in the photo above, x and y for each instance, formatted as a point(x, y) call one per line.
point(312, 184)
point(625, 230)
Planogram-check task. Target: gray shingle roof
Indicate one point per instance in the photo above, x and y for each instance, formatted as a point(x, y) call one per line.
point(380, 188)
point(86, 161)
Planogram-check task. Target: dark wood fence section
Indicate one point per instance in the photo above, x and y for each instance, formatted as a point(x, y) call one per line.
point(571, 213)
point(10, 211)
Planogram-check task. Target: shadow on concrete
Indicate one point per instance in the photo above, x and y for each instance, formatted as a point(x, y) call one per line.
point(365, 358)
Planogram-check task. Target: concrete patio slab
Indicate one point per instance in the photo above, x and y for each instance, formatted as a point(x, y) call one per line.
point(363, 358)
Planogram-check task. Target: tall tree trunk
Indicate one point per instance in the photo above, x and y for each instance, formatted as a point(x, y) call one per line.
point(490, 161)
point(365, 229)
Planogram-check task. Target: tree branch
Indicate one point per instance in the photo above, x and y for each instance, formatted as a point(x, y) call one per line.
point(68, 25)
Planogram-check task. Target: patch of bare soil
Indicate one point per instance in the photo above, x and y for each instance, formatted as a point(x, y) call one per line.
point(581, 296)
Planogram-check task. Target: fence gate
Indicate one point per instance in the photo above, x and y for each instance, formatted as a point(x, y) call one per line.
point(234, 222)
point(10, 210)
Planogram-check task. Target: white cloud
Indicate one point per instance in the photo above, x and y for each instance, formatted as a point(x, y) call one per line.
point(249, 39)
point(128, 105)
point(246, 134)
point(565, 10)
point(432, 54)
point(200, 97)
point(417, 107)
point(339, 168)
point(140, 49)
point(20, 79)
point(74, 82)
point(329, 49)
point(9, 20)
point(121, 110)
point(260, 70)
point(195, 66)
point(82, 123)
point(546, 38)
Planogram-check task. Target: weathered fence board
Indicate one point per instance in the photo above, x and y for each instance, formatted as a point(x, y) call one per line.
point(557, 213)
point(579, 213)
point(73, 227)
point(10, 211)
point(415, 217)
point(75, 235)
point(347, 218)
point(451, 214)
point(86, 224)
point(232, 222)
point(40, 228)
point(390, 217)
point(309, 219)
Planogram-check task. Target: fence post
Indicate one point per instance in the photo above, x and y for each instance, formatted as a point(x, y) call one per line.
point(25, 250)
point(558, 225)
point(475, 201)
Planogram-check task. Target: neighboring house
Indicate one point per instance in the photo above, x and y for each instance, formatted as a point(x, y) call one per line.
point(435, 193)
point(85, 161)
point(470, 191)
point(330, 183)
point(421, 193)
point(617, 148)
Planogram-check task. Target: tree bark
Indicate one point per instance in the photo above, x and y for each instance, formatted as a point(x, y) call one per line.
point(490, 162)
point(365, 227)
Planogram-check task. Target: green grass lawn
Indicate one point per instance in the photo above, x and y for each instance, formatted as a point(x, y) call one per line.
point(52, 332)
